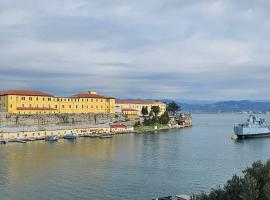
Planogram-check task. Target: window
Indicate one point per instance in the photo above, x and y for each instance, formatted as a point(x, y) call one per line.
point(63, 106)
point(22, 105)
point(49, 99)
point(82, 106)
point(55, 106)
point(30, 105)
point(23, 98)
point(37, 98)
point(76, 106)
point(30, 98)
point(91, 100)
point(69, 106)
point(11, 105)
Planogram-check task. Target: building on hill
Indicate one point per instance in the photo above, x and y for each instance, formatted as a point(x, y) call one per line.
point(120, 128)
point(138, 105)
point(130, 113)
point(36, 102)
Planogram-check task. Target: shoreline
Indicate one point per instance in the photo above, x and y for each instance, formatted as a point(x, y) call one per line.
point(81, 131)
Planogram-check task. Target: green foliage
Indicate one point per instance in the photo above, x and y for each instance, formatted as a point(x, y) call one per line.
point(155, 110)
point(173, 107)
point(137, 124)
point(164, 118)
point(254, 185)
point(144, 110)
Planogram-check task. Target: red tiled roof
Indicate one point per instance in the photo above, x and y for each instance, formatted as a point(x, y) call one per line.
point(24, 93)
point(34, 108)
point(136, 102)
point(118, 126)
point(129, 109)
point(89, 95)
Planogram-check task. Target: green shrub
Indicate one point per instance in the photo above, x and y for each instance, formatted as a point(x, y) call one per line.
point(254, 185)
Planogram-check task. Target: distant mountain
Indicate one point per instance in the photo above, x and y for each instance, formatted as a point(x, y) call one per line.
point(228, 106)
point(198, 106)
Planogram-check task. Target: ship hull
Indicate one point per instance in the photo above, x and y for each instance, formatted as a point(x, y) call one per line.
point(257, 135)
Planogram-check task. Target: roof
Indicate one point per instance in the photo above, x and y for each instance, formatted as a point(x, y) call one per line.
point(118, 101)
point(118, 126)
point(129, 109)
point(24, 93)
point(90, 95)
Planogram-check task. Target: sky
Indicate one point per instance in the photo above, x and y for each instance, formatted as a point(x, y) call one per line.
point(178, 49)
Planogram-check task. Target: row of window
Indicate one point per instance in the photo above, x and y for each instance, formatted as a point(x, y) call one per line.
point(37, 98)
point(63, 106)
point(64, 99)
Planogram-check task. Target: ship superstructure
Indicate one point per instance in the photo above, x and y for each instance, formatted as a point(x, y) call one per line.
point(254, 127)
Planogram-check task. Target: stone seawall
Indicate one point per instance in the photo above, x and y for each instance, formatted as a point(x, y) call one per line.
point(14, 120)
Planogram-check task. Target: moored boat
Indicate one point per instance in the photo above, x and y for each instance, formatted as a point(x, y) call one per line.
point(164, 198)
point(71, 136)
point(3, 142)
point(254, 127)
point(105, 136)
point(52, 138)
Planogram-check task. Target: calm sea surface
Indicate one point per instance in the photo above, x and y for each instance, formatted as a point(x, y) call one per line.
point(134, 166)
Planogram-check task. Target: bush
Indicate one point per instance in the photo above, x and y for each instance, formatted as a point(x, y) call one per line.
point(254, 185)
point(137, 124)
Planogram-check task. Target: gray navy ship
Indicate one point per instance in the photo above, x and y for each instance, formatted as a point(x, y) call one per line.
point(254, 127)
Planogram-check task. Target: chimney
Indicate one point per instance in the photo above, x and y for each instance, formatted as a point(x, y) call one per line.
point(92, 92)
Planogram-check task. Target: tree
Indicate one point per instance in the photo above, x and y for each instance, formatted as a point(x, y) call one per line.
point(155, 110)
point(144, 110)
point(254, 185)
point(173, 107)
point(164, 118)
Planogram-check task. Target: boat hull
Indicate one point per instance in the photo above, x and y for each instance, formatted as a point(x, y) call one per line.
point(70, 137)
point(257, 135)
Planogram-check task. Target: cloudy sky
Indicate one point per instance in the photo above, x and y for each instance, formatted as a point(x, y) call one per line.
point(182, 49)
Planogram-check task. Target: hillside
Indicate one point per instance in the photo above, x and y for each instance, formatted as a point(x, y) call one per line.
point(228, 106)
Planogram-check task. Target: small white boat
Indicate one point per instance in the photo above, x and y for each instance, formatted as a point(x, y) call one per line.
point(52, 138)
point(183, 197)
point(105, 136)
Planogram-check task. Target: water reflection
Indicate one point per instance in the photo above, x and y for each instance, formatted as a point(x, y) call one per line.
point(132, 166)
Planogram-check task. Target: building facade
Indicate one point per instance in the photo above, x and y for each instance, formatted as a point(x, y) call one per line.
point(138, 106)
point(120, 128)
point(35, 102)
point(130, 113)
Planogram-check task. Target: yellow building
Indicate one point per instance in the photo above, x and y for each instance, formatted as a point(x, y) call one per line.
point(35, 102)
point(138, 105)
point(130, 113)
point(121, 128)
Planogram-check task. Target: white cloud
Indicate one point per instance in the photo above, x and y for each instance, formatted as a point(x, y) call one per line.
point(190, 49)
